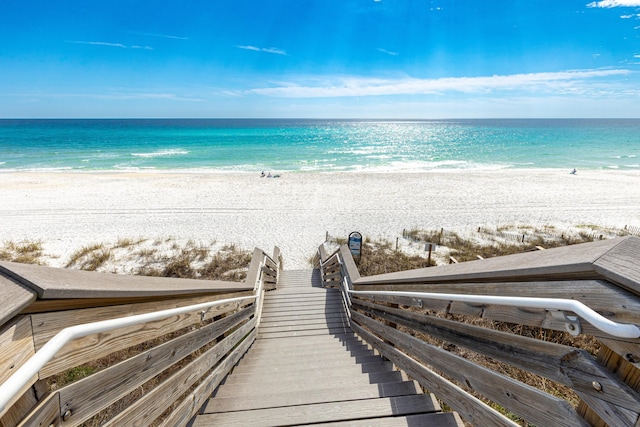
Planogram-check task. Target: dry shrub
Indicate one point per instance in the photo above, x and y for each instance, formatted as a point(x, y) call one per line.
point(26, 252)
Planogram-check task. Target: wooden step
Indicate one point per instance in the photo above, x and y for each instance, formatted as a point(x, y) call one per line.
point(327, 368)
point(324, 412)
point(274, 354)
point(259, 400)
point(439, 419)
point(323, 331)
point(341, 380)
point(296, 363)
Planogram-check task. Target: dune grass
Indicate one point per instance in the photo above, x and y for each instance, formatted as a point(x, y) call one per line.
point(25, 252)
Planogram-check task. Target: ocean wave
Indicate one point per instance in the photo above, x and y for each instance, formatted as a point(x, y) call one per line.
point(162, 153)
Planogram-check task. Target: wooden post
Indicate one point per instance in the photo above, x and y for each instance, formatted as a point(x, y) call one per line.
point(624, 370)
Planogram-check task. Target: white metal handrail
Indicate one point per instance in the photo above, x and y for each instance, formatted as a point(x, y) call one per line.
point(22, 376)
point(620, 330)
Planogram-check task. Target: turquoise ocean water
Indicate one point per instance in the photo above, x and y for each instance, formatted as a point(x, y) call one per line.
point(248, 145)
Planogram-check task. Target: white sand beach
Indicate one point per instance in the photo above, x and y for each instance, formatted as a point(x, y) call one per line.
point(294, 212)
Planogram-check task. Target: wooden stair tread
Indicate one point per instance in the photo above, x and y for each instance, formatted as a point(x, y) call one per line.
point(324, 412)
point(259, 400)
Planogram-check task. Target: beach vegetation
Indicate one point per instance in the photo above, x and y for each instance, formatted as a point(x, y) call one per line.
point(90, 257)
point(127, 242)
point(25, 252)
point(379, 257)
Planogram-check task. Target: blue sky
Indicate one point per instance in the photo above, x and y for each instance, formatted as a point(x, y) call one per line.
point(320, 58)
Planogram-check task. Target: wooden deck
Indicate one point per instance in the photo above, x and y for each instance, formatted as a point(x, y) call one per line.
point(308, 367)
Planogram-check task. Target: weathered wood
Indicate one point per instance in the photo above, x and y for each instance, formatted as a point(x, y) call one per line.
point(620, 264)
point(46, 414)
point(19, 408)
point(564, 364)
point(52, 283)
point(324, 412)
point(443, 419)
point(148, 408)
point(628, 351)
point(253, 274)
point(459, 400)
point(194, 401)
point(89, 348)
point(349, 264)
point(235, 385)
point(316, 394)
point(16, 343)
point(528, 402)
point(94, 393)
point(15, 297)
point(569, 262)
point(629, 374)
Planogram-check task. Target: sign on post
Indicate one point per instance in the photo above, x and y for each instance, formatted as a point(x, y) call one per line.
point(355, 243)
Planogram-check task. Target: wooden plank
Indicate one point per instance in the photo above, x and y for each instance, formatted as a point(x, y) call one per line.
point(568, 262)
point(528, 402)
point(47, 413)
point(295, 364)
point(564, 364)
point(253, 274)
point(323, 412)
point(470, 408)
point(20, 408)
point(153, 404)
point(16, 345)
point(326, 331)
point(317, 394)
point(349, 264)
point(629, 351)
point(440, 419)
point(375, 372)
point(194, 401)
point(52, 283)
point(92, 394)
point(620, 264)
point(15, 297)
point(344, 339)
point(82, 350)
point(628, 373)
point(248, 386)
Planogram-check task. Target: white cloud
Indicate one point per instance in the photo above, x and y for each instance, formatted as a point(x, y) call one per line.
point(565, 81)
point(273, 50)
point(120, 45)
point(99, 44)
point(388, 52)
point(614, 3)
point(164, 36)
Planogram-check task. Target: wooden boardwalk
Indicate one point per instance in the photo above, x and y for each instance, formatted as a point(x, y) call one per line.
point(307, 367)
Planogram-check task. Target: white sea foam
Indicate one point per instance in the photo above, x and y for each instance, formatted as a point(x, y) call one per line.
point(162, 153)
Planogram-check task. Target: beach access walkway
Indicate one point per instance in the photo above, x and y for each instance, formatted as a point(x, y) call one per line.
point(307, 367)
point(327, 346)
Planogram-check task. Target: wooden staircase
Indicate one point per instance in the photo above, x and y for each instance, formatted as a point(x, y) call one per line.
point(307, 367)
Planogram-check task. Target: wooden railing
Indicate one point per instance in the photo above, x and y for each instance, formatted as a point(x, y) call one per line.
point(158, 372)
point(479, 358)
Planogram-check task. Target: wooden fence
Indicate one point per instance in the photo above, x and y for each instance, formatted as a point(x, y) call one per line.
point(441, 343)
point(159, 372)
